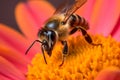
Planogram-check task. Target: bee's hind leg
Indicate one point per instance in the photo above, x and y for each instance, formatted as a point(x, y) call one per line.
point(88, 38)
point(65, 51)
point(85, 34)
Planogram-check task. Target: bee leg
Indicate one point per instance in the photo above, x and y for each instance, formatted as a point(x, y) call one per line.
point(65, 51)
point(43, 54)
point(88, 38)
point(73, 30)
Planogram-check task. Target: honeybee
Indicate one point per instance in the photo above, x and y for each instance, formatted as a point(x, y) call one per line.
point(58, 27)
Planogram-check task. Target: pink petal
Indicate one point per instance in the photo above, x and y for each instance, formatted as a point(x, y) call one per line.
point(116, 31)
point(31, 15)
point(104, 17)
point(10, 71)
point(16, 58)
point(109, 74)
point(15, 40)
point(86, 10)
point(2, 77)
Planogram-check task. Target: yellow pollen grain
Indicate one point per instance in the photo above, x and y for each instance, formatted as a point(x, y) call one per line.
point(83, 61)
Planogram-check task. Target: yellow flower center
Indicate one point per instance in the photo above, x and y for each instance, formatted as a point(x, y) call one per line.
point(83, 61)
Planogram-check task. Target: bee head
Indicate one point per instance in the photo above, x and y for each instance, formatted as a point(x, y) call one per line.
point(48, 38)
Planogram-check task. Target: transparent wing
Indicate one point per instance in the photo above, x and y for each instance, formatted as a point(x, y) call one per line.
point(62, 8)
point(73, 8)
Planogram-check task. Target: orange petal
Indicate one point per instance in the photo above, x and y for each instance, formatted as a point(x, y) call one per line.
point(15, 40)
point(111, 73)
point(104, 16)
point(31, 15)
point(10, 71)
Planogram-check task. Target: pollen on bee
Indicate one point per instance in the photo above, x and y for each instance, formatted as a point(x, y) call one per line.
point(83, 62)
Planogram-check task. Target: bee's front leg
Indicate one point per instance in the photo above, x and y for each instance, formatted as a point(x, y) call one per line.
point(65, 51)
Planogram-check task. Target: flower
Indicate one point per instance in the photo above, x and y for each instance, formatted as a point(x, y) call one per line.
point(83, 62)
point(13, 61)
point(31, 15)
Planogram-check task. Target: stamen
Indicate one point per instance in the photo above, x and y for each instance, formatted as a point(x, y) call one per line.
point(83, 62)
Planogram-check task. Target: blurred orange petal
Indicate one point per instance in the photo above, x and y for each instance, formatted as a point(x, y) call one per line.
point(10, 71)
point(15, 40)
point(31, 15)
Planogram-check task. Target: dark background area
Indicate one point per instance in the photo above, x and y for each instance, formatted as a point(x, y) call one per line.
point(7, 11)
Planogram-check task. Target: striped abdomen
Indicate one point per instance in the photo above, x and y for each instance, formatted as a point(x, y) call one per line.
point(76, 20)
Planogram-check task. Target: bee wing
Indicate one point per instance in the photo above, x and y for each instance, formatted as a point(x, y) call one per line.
point(73, 8)
point(62, 8)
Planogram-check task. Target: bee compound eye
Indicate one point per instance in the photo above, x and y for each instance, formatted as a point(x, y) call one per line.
point(52, 35)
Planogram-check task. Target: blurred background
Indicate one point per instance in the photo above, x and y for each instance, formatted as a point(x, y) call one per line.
point(7, 11)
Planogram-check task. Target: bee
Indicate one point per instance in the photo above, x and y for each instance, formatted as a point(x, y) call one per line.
point(62, 24)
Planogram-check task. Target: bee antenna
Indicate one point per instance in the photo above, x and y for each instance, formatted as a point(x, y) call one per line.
point(32, 45)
